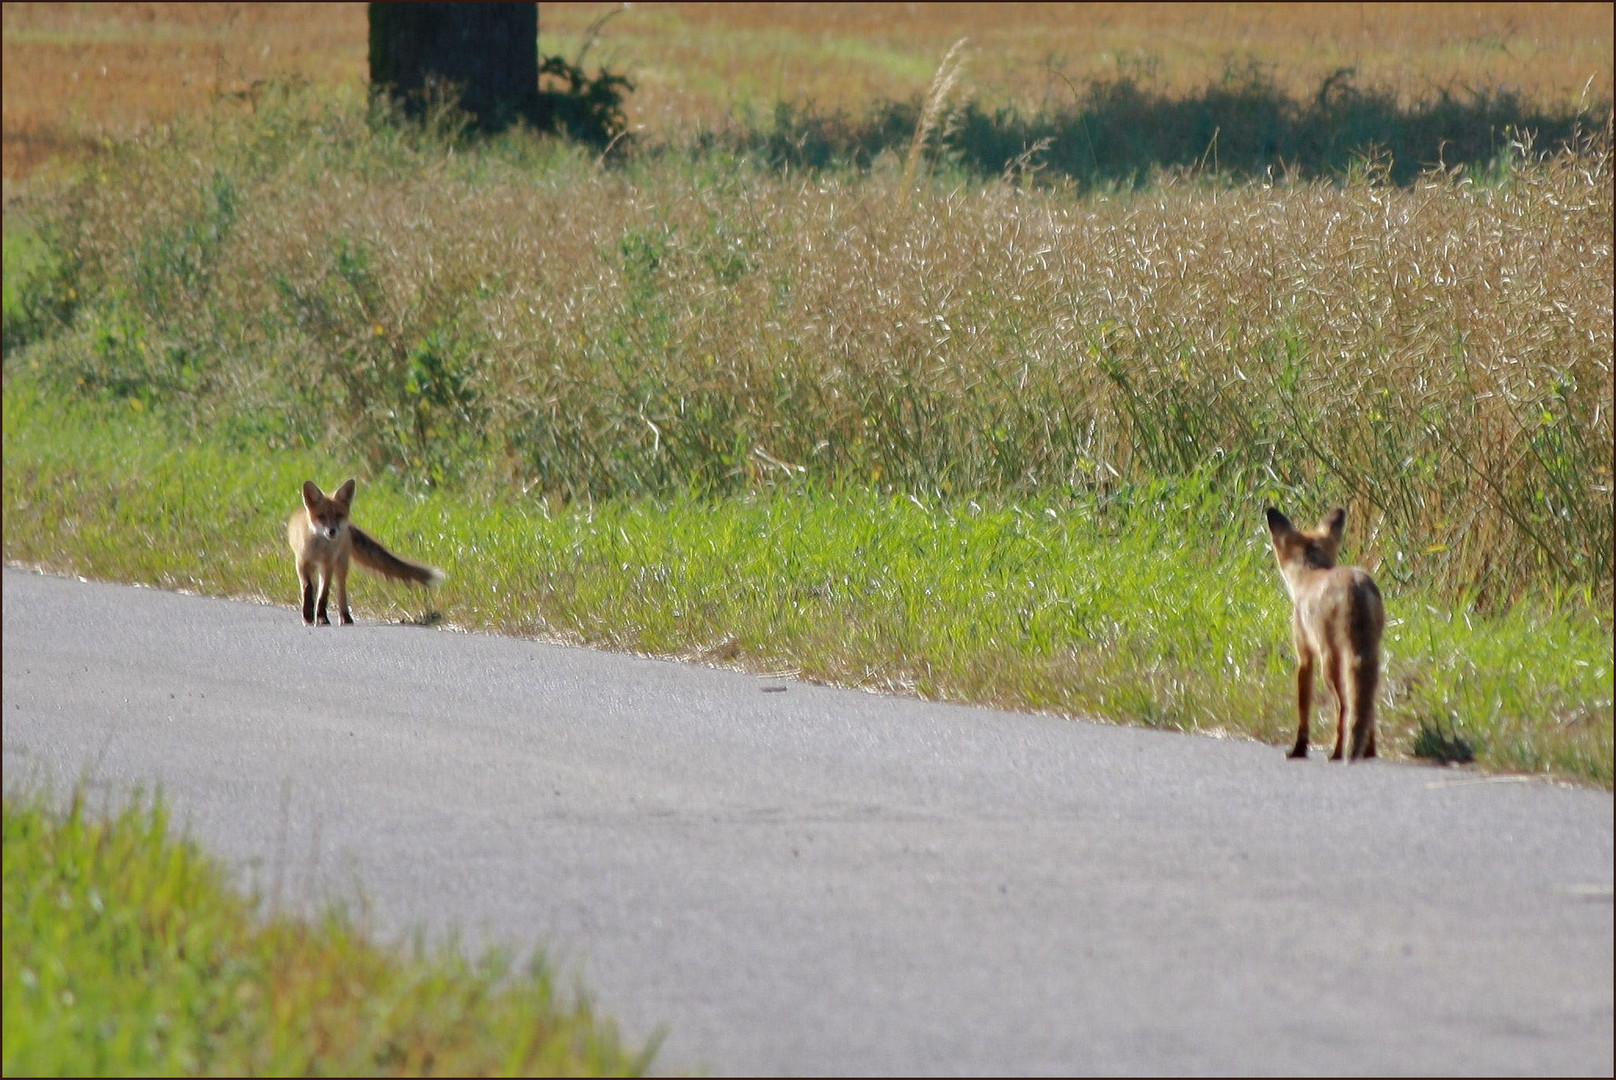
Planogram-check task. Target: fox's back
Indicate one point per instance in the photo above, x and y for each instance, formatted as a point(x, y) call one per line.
point(1340, 607)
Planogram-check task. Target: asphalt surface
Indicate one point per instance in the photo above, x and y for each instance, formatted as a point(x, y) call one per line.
point(799, 879)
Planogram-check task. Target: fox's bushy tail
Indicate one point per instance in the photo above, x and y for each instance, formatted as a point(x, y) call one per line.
point(367, 552)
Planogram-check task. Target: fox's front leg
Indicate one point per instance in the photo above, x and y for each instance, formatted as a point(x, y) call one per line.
point(342, 594)
point(307, 579)
point(1304, 700)
point(325, 594)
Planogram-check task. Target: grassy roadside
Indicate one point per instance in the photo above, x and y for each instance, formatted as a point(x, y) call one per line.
point(125, 953)
point(1157, 604)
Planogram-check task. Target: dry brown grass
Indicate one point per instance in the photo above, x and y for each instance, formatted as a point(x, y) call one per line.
point(73, 72)
point(692, 62)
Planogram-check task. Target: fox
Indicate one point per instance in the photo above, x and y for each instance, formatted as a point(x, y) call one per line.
point(1338, 619)
point(323, 539)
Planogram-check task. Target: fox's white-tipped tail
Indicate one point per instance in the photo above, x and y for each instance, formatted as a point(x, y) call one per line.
point(372, 556)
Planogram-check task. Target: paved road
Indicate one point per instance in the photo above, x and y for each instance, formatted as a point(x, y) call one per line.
point(798, 879)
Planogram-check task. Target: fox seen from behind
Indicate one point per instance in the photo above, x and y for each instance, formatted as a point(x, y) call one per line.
point(1337, 621)
point(324, 539)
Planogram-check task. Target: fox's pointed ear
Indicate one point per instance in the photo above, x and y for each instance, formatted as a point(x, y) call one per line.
point(1335, 523)
point(1278, 524)
point(312, 495)
point(345, 492)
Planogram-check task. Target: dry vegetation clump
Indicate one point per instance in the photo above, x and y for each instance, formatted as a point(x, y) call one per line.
point(514, 319)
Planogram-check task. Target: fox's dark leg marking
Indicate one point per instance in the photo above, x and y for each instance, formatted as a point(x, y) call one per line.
point(308, 601)
point(325, 594)
point(1367, 621)
point(1363, 711)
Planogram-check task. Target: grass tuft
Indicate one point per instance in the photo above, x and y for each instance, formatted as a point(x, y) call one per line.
point(932, 113)
point(126, 953)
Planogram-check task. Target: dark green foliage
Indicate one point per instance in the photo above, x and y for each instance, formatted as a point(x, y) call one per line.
point(589, 109)
point(1122, 132)
point(39, 281)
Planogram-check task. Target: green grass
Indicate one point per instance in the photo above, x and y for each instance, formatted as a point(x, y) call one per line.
point(126, 954)
point(34, 295)
point(1157, 604)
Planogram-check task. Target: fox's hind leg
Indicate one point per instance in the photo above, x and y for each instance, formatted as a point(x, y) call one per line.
point(1362, 674)
point(1304, 700)
point(1337, 677)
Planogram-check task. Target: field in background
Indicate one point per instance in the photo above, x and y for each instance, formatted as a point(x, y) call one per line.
point(696, 62)
point(74, 73)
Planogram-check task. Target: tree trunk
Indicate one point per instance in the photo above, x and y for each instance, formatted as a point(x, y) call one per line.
point(490, 52)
